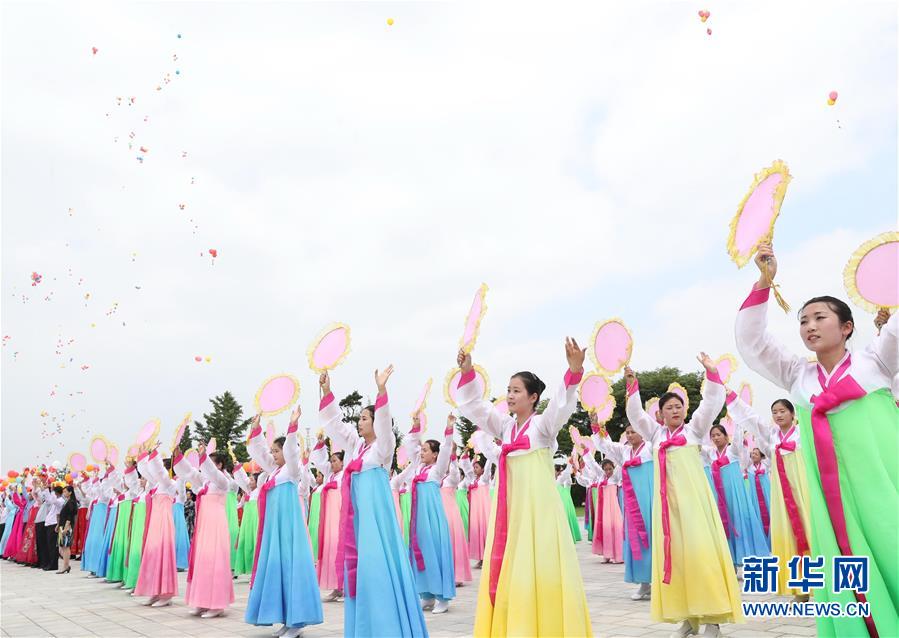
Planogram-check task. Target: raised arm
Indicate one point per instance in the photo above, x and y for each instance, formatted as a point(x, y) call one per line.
point(742, 413)
point(157, 470)
point(885, 346)
point(441, 465)
point(704, 416)
point(240, 477)
point(473, 406)
point(257, 447)
point(320, 459)
point(385, 443)
point(758, 348)
point(644, 424)
point(291, 449)
point(562, 404)
point(742, 450)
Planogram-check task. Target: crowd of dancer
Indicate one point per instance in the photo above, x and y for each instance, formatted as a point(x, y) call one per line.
point(680, 502)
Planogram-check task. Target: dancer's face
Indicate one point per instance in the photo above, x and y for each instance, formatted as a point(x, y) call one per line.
point(820, 328)
point(782, 416)
point(336, 463)
point(478, 468)
point(277, 454)
point(607, 469)
point(427, 456)
point(520, 402)
point(366, 424)
point(718, 439)
point(673, 413)
point(632, 437)
point(755, 455)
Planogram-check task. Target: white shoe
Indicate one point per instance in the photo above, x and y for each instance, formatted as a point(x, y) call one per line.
point(441, 607)
point(686, 629)
point(642, 592)
point(151, 602)
point(165, 602)
point(712, 630)
point(213, 613)
point(293, 632)
point(280, 632)
point(330, 598)
point(427, 604)
point(199, 611)
point(340, 599)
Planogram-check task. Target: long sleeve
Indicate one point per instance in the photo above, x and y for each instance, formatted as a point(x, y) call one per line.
point(486, 445)
point(885, 347)
point(742, 450)
point(188, 473)
point(644, 424)
point(403, 477)
point(561, 406)
point(343, 435)
point(441, 465)
point(159, 473)
point(758, 348)
point(712, 401)
point(385, 443)
point(258, 450)
point(212, 474)
point(478, 410)
point(320, 460)
point(241, 478)
point(609, 448)
point(291, 451)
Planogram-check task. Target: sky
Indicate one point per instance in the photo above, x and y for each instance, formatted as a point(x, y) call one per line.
point(584, 160)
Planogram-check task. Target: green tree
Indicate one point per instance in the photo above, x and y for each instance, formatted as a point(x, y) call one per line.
point(185, 443)
point(351, 406)
point(465, 428)
point(226, 424)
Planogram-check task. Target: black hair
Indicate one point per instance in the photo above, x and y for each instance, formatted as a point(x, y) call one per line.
point(720, 428)
point(167, 463)
point(667, 397)
point(786, 403)
point(224, 459)
point(604, 461)
point(370, 408)
point(57, 489)
point(338, 454)
point(761, 454)
point(532, 384)
point(433, 445)
point(280, 441)
point(839, 307)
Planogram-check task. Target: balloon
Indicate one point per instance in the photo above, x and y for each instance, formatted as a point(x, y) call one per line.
point(12, 474)
point(198, 359)
point(390, 22)
point(833, 95)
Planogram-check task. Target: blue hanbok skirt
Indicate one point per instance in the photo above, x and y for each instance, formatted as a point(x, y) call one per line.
point(182, 540)
point(105, 543)
point(746, 538)
point(438, 578)
point(639, 570)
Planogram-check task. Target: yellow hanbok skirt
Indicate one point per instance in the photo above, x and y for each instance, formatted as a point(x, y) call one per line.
point(783, 541)
point(703, 587)
point(540, 591)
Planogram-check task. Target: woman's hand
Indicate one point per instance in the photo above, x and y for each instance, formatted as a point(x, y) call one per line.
point(706, 362)
point(324, 382)
point(382, 377)
point(766, 263)
point(295, 415)
point(463, 360)
point(575, 355)
point(629, 377)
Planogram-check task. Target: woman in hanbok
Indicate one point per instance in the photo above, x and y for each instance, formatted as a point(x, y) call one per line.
point(330, 465)
point(478, 473)
point(564, 473)
point(115, 570)
point(283, 587)
point(136, 535)
point(372, 560)
point(182, 537)
point(693, 579)
point(531, 583)
point(158, 573)
point(608, 526)
point(449, 488)
point(847, 419)
point(760, 489)
point(634, 456)
point(249, 522)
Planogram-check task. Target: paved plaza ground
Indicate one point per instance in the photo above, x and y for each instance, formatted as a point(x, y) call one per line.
point(37, 603)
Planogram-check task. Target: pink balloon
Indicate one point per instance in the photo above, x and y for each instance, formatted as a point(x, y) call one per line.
point(98, 449)
point(877, 275)
point(77, 462)
point(277, 394)
point(147, 431)
point(452, 387)
point(612, 345)
point(595, 391)
point(113, 454)
point(473, 320)
point(330, 349)
point(833, 95)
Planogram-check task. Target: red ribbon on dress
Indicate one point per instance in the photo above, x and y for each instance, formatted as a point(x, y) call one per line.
point(717, 464)
point(520, 441)
point(347, 554)
point(835, 393)
point(673, 441)
point(413, 535)
point(323, 508)
point(802, 546)
point(760, 494)
point(637, 536)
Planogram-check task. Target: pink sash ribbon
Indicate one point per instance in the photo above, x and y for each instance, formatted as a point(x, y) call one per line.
point(347, 554)
point(260, 507)
point(673, 441)
point(323, 508)
point(520, 441)
point(600, 499)
point(637, 536)
point(760, 494)
point(802, 546)
point(835, 393)
point(718, 463)
point(413, 535)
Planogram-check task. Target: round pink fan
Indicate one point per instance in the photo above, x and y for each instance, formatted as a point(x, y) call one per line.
point(754, 221)
point(77, 462)
point(726, 364)
point(728, 424)
point(745, 393)
point(872, 275)
point(99, 449)
point(501, 406)
point(604, 413)
point(423, 419)
point(193, 457)
point(270, 433)
point(179, 431)
point(451, 386)
point(330, 348)
point(588, 445)
point(423, 398)
point(611, 346)
point(277, 394)
point(473, 319)
point(652, 409)
point(680, 391)
point(112, 454)
point(133, 451)
point(148, 431)
point(402, 457)
point(594, 391)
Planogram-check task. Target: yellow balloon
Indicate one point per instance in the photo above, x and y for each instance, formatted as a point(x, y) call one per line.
point(831, 102)
point(208, 359)
point(390, 22)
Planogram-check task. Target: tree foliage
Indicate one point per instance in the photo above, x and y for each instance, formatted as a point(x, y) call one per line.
point(226, 424)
